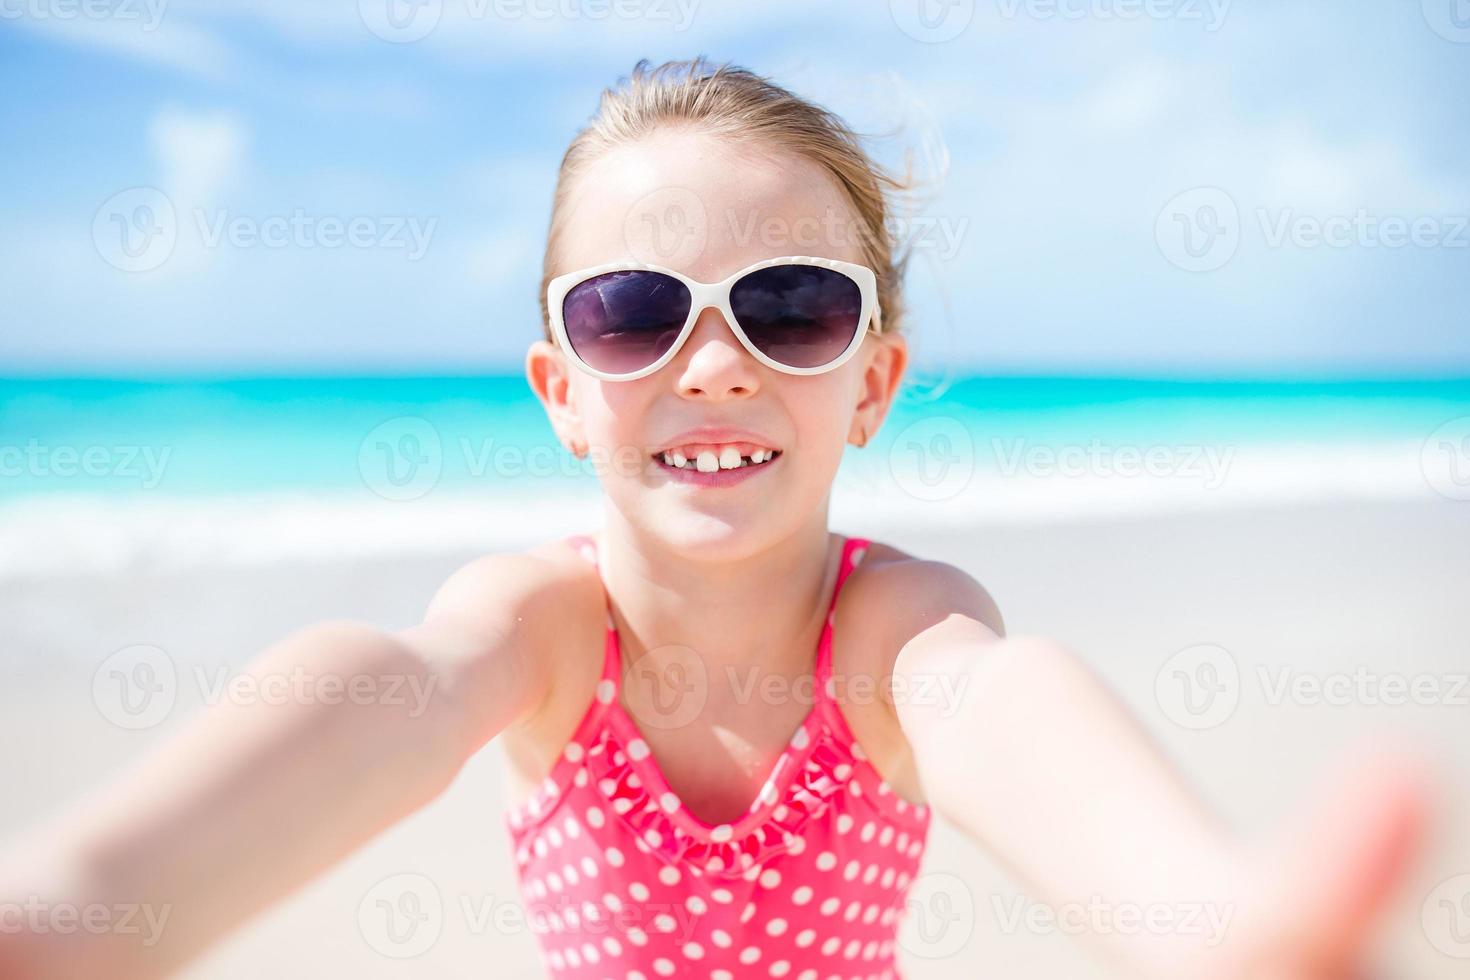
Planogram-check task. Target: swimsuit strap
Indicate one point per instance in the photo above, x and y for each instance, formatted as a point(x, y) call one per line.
point(853, 551)
point(612, 667)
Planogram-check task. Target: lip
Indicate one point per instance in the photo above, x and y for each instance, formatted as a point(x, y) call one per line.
point(715, 433)
point(717, 478)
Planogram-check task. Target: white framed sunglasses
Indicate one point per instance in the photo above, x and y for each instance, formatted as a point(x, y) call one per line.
point(801, 314)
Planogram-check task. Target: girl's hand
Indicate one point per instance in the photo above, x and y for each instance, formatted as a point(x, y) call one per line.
point(1321, 891)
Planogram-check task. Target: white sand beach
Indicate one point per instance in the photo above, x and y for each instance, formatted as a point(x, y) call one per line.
point(1345, 589)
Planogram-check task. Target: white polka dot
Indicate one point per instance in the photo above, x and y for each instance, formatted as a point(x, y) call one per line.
point(637, 936)
point(574, 752)
point(613, 947)
point(669, 802)
point(770, 878)
point(639, 891)
point(801, 739)
point(722, 975)
point(844, 823)
point(801, 896)
point(852, 870)
point(664, 922)
point(595, 818)
point(722, 895)
point(637, 749)
point(830, 946)
point(842, 772)
point(614, 857)
point(806, 937)
point(749, 955)
point(776, 927)
point(720, 938)
point(780, 968)
point(869, 830)
point(721, 833)
point(748, 913)
point(695, 905)
point(831, 905)
point(605, 691)
point(663, 967)
point(826, 861)
point(693, 951)
point(668, 874)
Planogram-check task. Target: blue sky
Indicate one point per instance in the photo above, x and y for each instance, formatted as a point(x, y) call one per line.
point(1140, 187)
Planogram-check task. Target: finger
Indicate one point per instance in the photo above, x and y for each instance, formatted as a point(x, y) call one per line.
point(1348, 848)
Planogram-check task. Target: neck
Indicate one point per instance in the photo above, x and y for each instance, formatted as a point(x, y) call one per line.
point(762, 609)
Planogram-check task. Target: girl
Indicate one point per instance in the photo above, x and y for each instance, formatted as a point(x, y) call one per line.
point(665, 825)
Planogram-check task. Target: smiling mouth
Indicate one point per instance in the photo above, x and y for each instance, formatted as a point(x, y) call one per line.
point(710, 461)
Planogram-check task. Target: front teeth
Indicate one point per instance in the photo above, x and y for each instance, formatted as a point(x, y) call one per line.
point(707, 462)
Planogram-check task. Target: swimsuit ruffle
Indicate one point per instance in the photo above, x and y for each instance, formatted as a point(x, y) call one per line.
point(823, 772)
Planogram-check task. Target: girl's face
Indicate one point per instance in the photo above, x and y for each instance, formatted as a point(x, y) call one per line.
point(707, 207)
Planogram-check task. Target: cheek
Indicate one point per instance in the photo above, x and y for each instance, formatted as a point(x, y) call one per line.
point(823, 414)
point(616, 415)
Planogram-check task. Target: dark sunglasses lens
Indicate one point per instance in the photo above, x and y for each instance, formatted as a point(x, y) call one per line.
point(800, 315)
point(621, 322)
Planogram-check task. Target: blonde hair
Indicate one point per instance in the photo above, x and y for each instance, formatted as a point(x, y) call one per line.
point(733, 102)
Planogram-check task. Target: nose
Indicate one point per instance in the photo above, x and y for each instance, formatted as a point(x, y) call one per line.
point(713, 363)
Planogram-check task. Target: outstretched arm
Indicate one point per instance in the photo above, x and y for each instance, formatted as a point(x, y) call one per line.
point(1044, 767)
point(251, 800)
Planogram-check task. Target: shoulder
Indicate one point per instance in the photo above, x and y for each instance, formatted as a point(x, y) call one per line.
point(504, 616)
point(897, 595)
point(513, 583)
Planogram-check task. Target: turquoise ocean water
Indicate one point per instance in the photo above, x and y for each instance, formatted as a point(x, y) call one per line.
point(488, 434)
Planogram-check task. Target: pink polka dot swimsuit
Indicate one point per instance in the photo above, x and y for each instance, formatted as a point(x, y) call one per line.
point(621, 881)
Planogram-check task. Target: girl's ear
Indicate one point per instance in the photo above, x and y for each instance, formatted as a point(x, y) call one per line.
point(549, 376)
point(883, 368)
